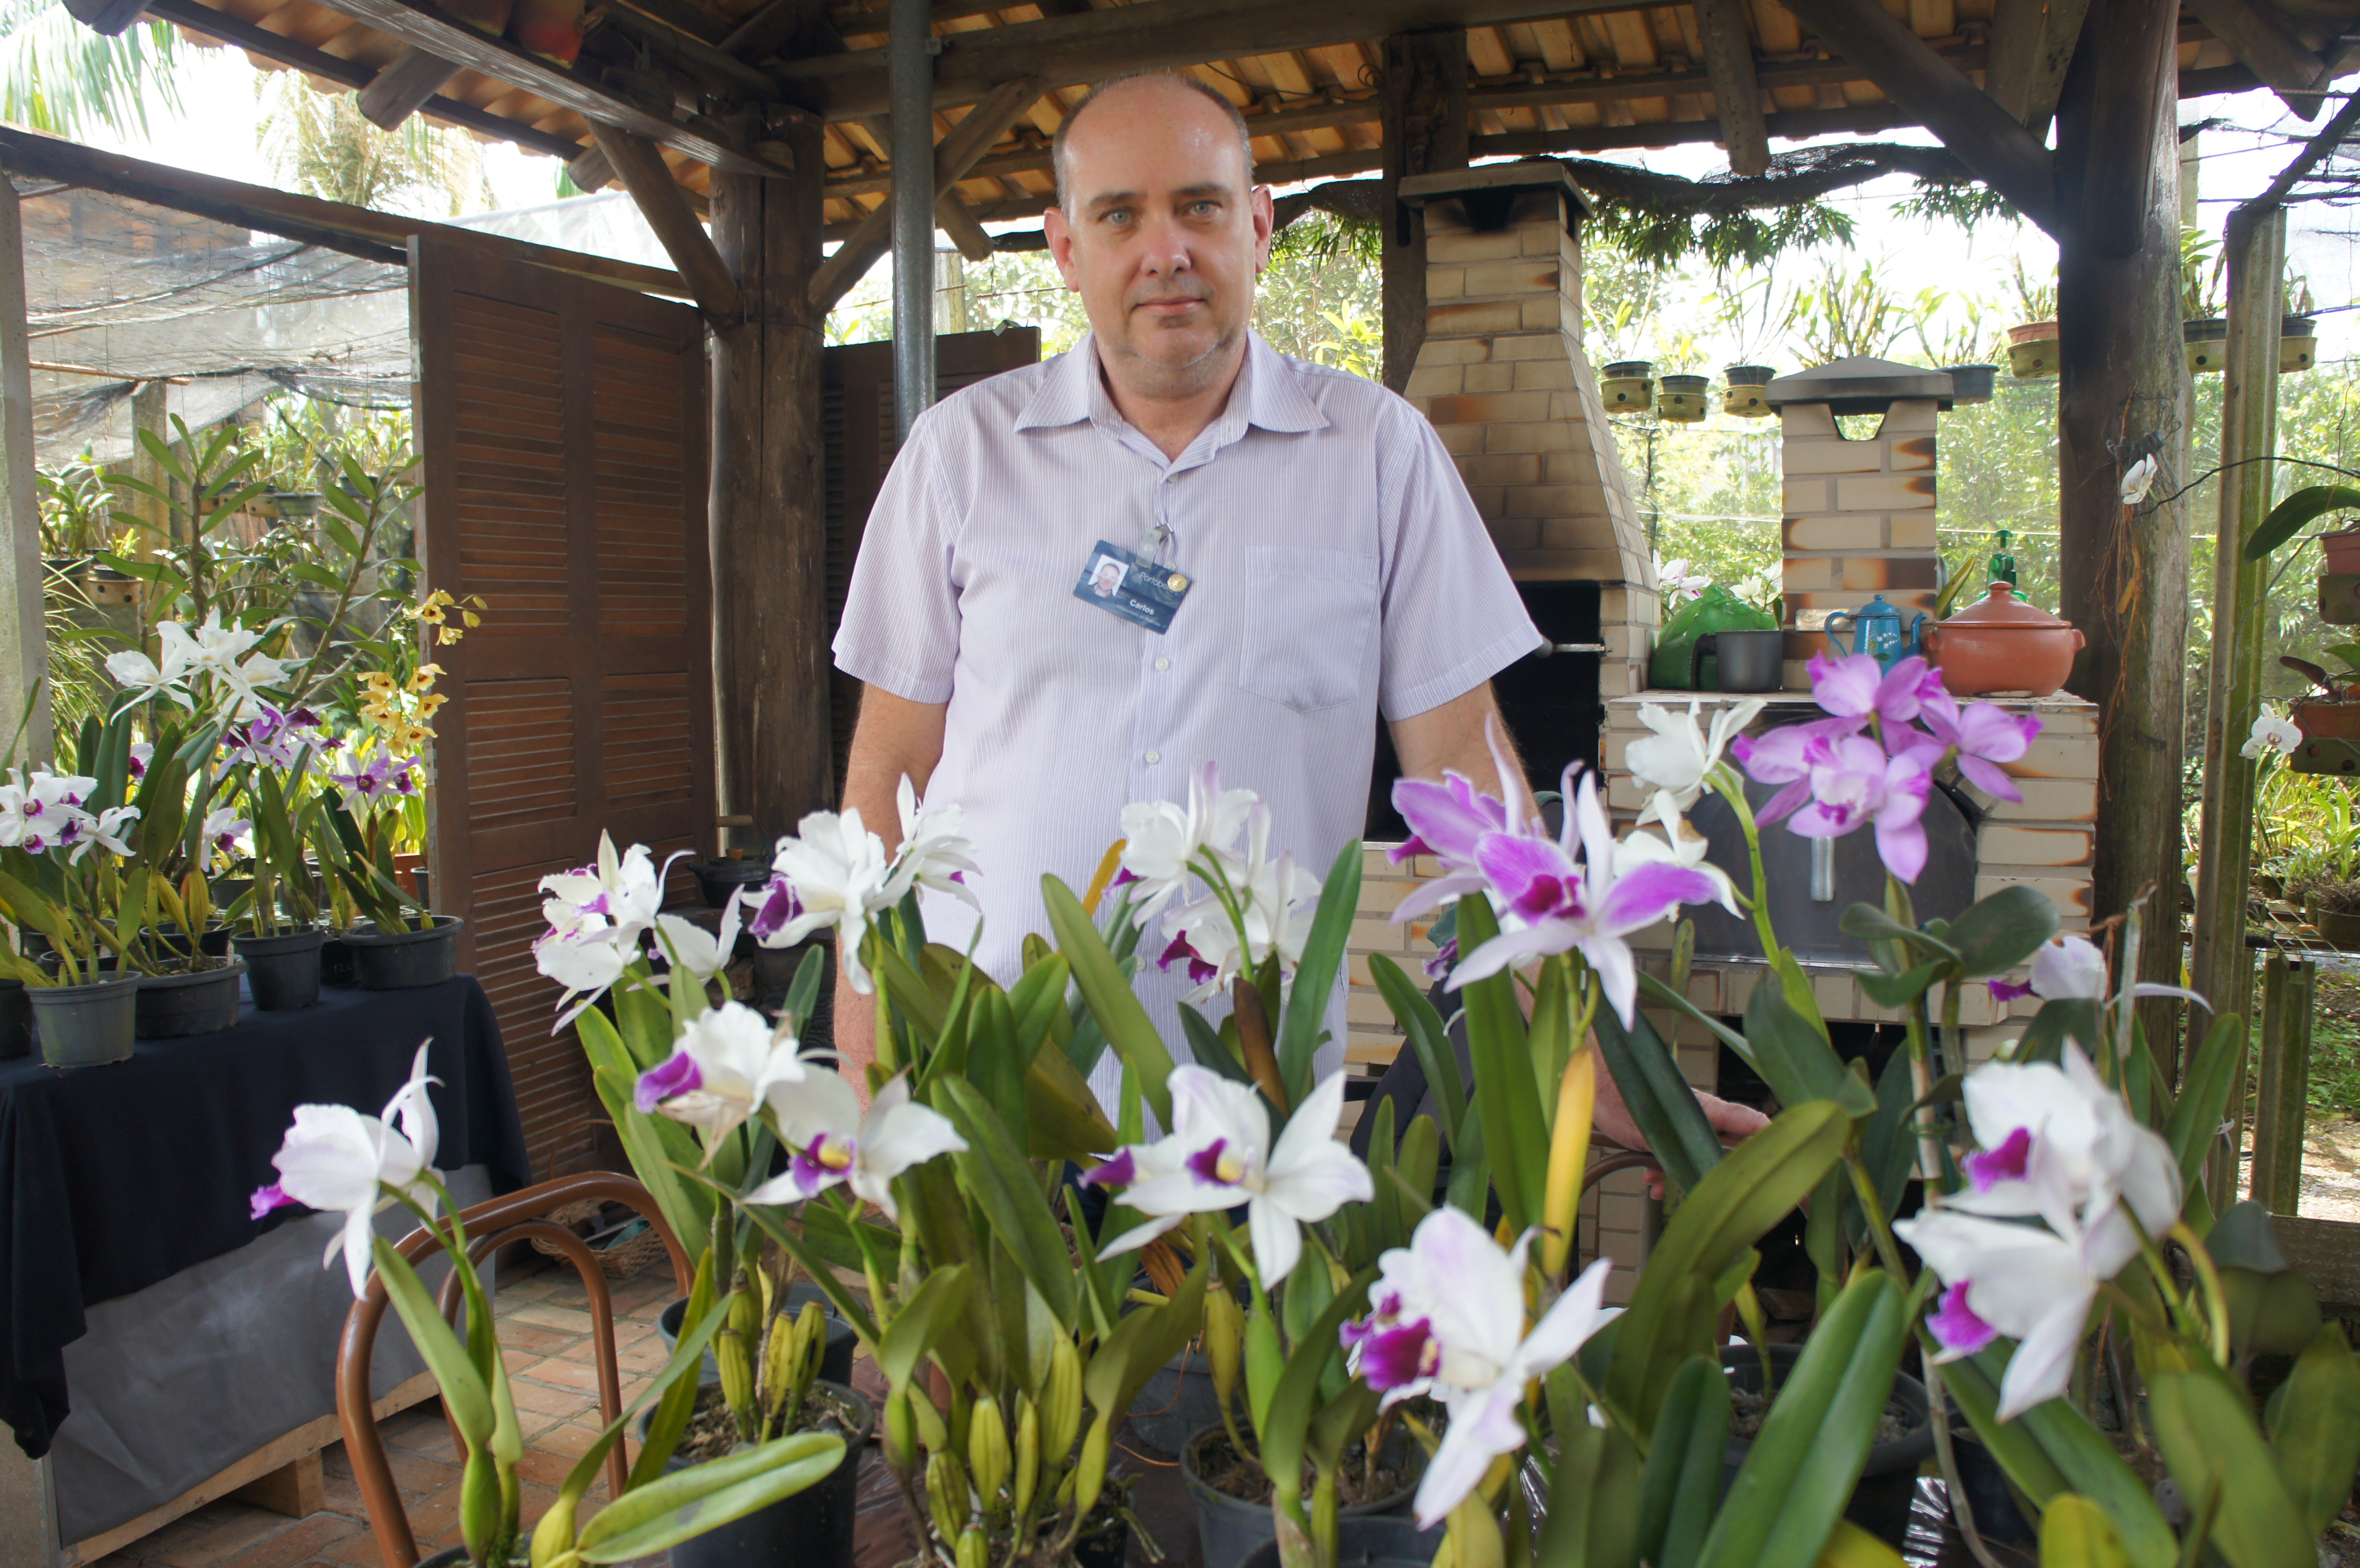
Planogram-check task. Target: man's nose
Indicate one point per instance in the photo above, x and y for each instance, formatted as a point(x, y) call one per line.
point(1165, 250)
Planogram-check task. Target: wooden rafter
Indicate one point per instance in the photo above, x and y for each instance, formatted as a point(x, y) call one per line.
point(644, 174)
point(1727, 42)
point(2266, 41)
point(2031, 44)
point(403, 87)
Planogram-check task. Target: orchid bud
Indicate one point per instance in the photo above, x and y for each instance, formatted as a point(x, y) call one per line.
point(1089, 1476)
point(1061, 1402)
point(900, 1433)
point(986, 1452)
point(733, 1351)
point(778, 1365)
point(974, 1552)
point(1028, 1454)
point(933, 1434)
point(946, 1499)
point(1225, 1333)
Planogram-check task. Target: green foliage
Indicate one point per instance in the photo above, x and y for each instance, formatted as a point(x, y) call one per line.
point(58, 76)
point(321, 145)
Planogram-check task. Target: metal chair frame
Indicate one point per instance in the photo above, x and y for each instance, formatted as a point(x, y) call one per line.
point(491, 1225)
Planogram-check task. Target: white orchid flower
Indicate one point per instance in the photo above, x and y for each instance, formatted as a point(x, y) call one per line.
point(1219, 1153)
point(620, 894)
point(726, 1066)
point(1680, 845)
point(820, 1116)
point(2138, 479)
point(37, 808)
point(142, 677)
point(338, 1159)
point(1279, 903)
point(1681, 752)
point(82, 832)
point(2073, 969)
point(694, 951)
point(1448, 1320)
point(1673, 578)
point(1162, 839)
point(837, 870)
point(584, 959)
point(2271, 733)
point(933, 855)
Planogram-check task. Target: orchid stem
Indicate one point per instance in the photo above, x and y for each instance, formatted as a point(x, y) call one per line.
point(2216, 1303)
point(1888, 1251)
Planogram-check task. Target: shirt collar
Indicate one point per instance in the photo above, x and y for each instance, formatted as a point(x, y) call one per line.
point(1267, 394)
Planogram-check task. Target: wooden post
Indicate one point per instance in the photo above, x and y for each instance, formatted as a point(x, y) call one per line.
point(2122, 386)
point(2281, 1087)
point(770, 527)
point(1424, 115)
point(23, 640)
point(2222, 967)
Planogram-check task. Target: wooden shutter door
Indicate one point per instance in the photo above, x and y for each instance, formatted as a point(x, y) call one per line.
point(563, 428)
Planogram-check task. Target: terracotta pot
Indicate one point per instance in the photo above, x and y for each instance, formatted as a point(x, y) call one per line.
point(2326, 718)
point(2342, 549)
point(2002, 644)
point(2032, 350)
point(552, 27)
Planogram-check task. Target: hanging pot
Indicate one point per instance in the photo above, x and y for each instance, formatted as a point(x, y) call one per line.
point(1744, 387)
point(2297, 344)
point(1681, 400)
point(402, 961)
point(283, 971)
point(2331, 735)
point(88, 1026)
point(1628, 386)
point(1230, 1530)
point(2002, 644)
point(1972, 383)
point(2340, 550)
point(484, 16)
point(2032, 350)
point(813, 1527)
point(15, 1019)
point(197, 1000)
point(1888, 1481)
point(2208, 343)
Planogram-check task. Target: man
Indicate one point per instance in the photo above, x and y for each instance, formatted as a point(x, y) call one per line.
point(1324, 562)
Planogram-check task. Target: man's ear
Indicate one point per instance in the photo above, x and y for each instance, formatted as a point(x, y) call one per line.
point(1061, 248)
point(1265, 226)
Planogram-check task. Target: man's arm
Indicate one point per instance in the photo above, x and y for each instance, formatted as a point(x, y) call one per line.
point(1450, 737)
point(894, 736)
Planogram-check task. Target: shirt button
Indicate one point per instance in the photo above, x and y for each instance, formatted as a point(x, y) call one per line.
point(1155, 756)
point(1163, 664)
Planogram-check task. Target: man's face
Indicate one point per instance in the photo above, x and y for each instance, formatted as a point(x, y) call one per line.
point(1164, 236)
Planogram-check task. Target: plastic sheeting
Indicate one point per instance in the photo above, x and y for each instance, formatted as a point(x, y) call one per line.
point(119, 292)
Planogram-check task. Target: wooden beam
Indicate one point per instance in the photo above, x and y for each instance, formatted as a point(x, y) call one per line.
point(2133, 87)
point(414, 22)
point(650, 180)
point(957, 220)
point(694, 21)
point(590, 171)
point(23, 630)
point(2261, 36)
point(2031, 44)
point(402, 88)
point(1151, 35)
point(1736, 91)
point(355, 231)
point(1425, 103)
point(719, 71)
point(110, 18)
point(199, 18)
point(2001, 151)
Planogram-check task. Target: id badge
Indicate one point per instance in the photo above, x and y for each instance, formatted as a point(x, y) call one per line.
point(1132, 587)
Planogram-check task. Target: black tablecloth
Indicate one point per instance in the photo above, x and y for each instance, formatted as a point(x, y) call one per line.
point(113, 1177)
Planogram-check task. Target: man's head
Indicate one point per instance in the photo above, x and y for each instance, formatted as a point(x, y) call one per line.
point(1160, 228)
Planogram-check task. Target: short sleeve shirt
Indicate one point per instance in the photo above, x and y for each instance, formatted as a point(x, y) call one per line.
point(1338, 573)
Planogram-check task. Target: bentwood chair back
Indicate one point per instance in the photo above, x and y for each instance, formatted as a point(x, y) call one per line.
point(519, 1216)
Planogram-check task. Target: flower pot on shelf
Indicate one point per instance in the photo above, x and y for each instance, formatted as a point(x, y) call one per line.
point(2002, 644)
point(814, 1526)
point(212, 942)
point(200, 999)
point(2341, 550)
point(283, 971)
point(402, 961)
point(15, 1019)
point(2340, 929)
point(1681, 399)
point(1743, 386)
point(2297, 344)
point(2032, 350)
point(1888, 1481)
point(1628, 386)
point(2208, 343)
point(336, 961)
point(1230, 1530)
point(88, 1026)
point(1972, 383)
point(1369, 1543)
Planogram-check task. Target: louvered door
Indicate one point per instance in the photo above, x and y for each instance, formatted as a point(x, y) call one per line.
point(858, 438)
point(561, 424)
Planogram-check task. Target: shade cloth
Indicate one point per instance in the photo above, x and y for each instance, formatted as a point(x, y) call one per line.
point(115, 1178)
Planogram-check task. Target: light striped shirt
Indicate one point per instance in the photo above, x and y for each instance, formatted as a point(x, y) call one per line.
point(1339, 572)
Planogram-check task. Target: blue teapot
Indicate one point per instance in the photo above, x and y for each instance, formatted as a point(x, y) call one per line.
point(1877, 628)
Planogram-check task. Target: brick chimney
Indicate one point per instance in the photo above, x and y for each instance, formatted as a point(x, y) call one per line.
point(1502, 377)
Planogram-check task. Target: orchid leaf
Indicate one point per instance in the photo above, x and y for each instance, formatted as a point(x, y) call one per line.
point(2064, 1018)
point(1872, 924)
point(802, 992)
point(464, 1394)
point(914, 998)
point(1143, 1341)
point(1995, 935)
point(995, 1175)
point(1112, 1000)
point(1514, 1133)
point(1591, 1521)
point(1898, 990)
point(2296, 512)
point(2206, 1429)
point(1210, 1052)
point(1038, 997)
point(1795, 1058)
point(1429, 1037)
point(2072, 1456)
point(1680, 1486)
point(1756, 1185)
point(663, 1513)
point(814, 1257)
point(1977, 1393)
point(1656, 990)
point(1063, 1120)
point(1284, 1433)
point(707, 1309)
point(2315, 1428)
point(931, 1309)
point(1300, 1026)
point(2195, 1120)
point(2076, 1533)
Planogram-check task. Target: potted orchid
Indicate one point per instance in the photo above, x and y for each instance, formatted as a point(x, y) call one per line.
point(337, 1159)
point(60, 877)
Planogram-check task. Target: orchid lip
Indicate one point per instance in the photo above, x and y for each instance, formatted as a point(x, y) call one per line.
point(1209, 1166)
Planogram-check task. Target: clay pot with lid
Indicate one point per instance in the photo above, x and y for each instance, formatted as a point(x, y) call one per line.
point(2002, 644)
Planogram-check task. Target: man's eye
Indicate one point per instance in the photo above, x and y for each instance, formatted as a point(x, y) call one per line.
point(1203, 209)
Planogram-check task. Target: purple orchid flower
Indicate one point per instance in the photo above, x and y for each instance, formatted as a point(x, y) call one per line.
point(1785, 755)
point(1856, 686)
point(779, 909)
point(1956, 1325)
point(2004, 991)
point(266, 1199)
point(1449, 819)
point(1198, 970)
point(1119, 1171)
point(1854, 783)
point(2008, 1162)
point(676, 1075)
point(1984, 736)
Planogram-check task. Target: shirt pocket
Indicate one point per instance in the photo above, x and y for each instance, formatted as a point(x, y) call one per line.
point(1309, 616)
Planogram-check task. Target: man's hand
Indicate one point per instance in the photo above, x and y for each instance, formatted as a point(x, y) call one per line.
point(1733, 1123)
point(893, 738)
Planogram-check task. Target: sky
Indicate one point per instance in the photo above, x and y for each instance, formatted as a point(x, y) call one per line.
point(216, 134)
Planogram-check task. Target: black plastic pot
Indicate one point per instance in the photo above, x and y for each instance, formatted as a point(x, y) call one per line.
point(1231, 1532)
point(16, 1020)
point(212, 942)
point(88, 1026)
point(196, 1001)
point(810, 1529)
point(336, 961)
point(1997, 1517)
point(834, 1357)
point(1888, 1482)
point(401, 961)
point(1367, 1543)
point(719, 880)
point(283, 971)
point(1175, 1403)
